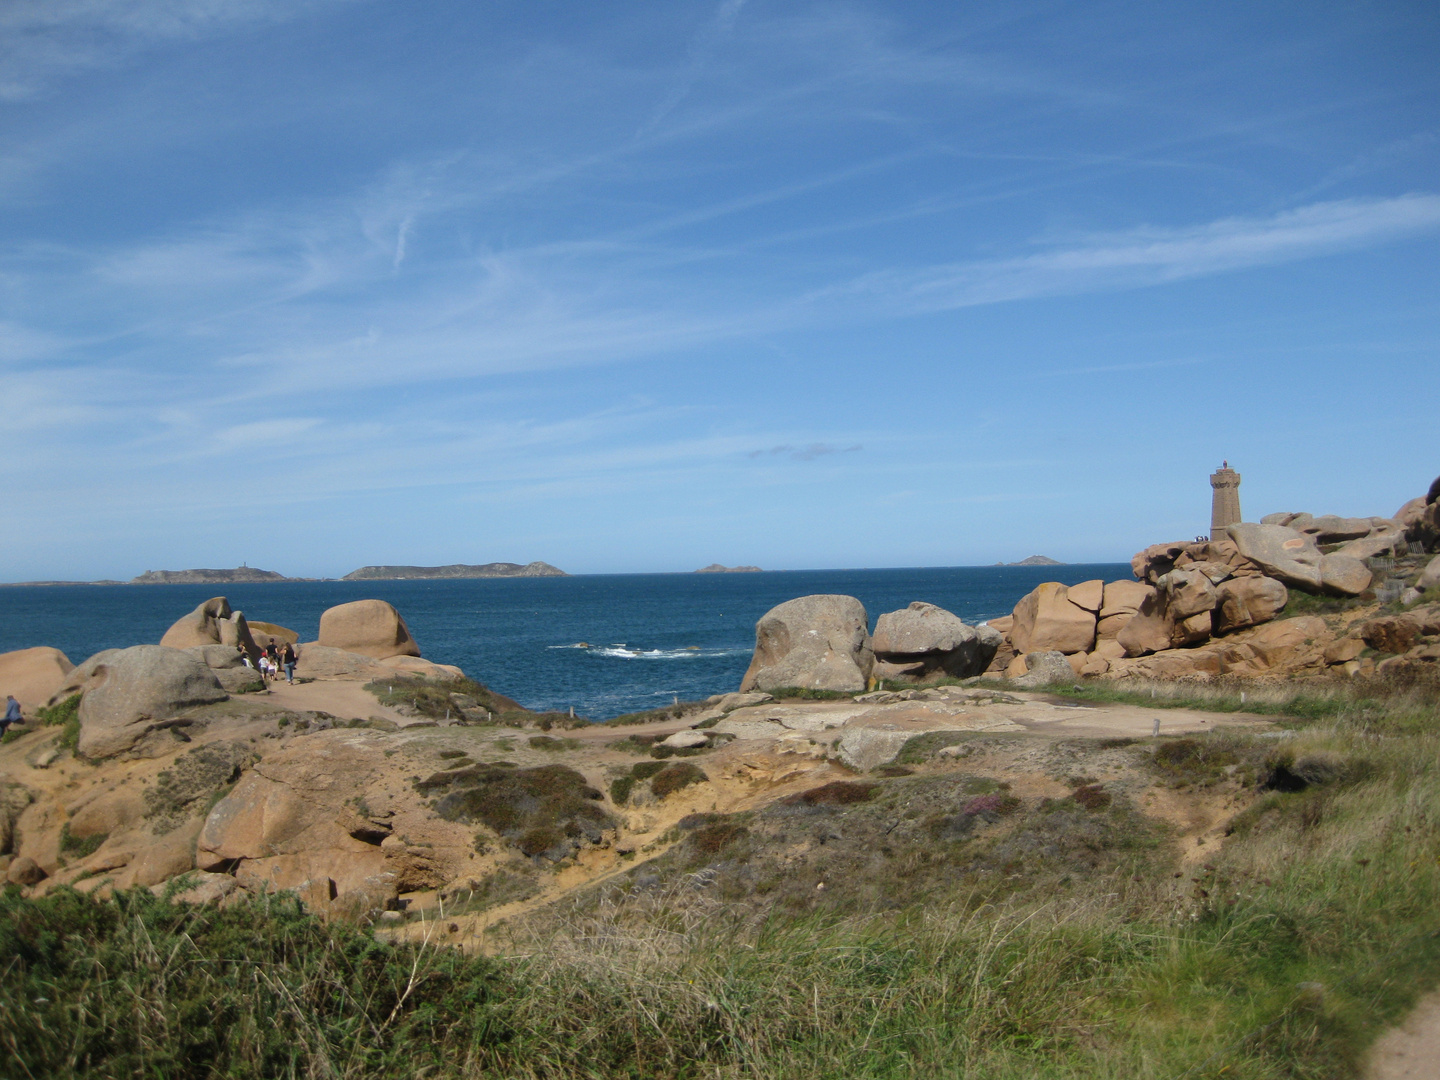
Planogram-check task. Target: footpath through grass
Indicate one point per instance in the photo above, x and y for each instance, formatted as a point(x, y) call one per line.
point(1314, 926)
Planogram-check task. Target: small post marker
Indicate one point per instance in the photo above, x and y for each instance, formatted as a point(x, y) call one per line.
point(1242, 697)
point(572, 710)
point(1156, 732)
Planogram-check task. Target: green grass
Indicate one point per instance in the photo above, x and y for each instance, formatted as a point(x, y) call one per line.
point(1053, 939)
point(67, 714)
point(432, 698)
point(1303, 603)
point(802, 693)
point(74, 847)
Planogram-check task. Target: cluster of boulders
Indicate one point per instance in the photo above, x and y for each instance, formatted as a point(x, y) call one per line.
point(1201, 608)
point(200, 659)
point(1209, 607)
point(143, 706)
point(823, 642)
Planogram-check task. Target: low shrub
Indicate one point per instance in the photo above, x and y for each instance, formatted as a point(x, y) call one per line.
point(67, 714)
point(836, 793)
point(79, 847)
point(1091, 796)
point(549, 803)
point(673, 778)
point(547, 742)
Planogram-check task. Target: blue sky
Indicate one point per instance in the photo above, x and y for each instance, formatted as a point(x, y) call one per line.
point(313, 284)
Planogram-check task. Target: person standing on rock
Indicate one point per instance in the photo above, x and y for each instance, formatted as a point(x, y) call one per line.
point(287, 661)
point(12, 714)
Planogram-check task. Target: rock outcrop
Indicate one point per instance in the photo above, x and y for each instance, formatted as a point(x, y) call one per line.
point(1046, 620)
point(1044, 668)
point(371, 628)
point(262, 632)
point(293, 821)
point(923, 639)
point(816, 642)
point(128, 692)
point(33, 675)
point(212, 623)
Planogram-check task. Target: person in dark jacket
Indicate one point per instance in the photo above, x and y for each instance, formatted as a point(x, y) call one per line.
point(12, 714)
point(287, 661)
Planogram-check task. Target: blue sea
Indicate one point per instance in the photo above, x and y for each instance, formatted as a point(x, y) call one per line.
point(605, 644)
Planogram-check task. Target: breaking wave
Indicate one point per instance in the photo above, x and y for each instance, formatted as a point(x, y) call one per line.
point(621, 651)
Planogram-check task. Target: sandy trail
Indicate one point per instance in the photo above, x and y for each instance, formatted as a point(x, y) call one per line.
point(342, 699)
point(1412, 1050)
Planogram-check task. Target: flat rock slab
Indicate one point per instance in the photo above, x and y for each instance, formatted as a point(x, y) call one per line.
point(1033, 713)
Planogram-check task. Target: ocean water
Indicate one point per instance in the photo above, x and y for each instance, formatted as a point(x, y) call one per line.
point(605, 644)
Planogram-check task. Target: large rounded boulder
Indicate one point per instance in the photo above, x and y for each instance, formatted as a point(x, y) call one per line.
point(127, 691)
point(212, 623)
point(1046, 620)
point(33, 675)
point(816, 642)
point(371, 628)
point(923, 639)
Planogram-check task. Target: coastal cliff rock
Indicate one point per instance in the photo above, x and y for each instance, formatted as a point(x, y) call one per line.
point(211, 623)
point(33, 675)
point(292, 821)
point(1046, 620)
point(817, 642)
point(1281, 552)
point(1248, 602)
point(1121, 600)
point(923, 639)
point(262, 632)
point(127, 691)
point(229, 670)
point(371, 628)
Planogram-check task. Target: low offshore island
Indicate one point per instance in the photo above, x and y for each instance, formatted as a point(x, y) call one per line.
point(248, 575)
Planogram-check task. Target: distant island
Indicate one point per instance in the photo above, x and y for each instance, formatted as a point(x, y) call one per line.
point(455, 570)
point(241, 574)
point(716, 568)
point(1035, 560)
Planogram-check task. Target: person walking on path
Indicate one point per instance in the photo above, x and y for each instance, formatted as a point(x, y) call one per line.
point(12, 714)
point(287, 661)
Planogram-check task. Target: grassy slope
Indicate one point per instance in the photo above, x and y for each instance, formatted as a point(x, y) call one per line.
point(1314, 926)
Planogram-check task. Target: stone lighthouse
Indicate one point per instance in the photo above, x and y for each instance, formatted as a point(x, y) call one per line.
point(1224, 501)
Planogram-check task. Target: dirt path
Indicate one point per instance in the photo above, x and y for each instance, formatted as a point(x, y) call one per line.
point(1412, 1050)
point(345, 700)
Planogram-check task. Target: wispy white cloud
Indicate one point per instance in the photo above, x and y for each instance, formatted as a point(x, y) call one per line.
point(805, 453)
point(1145, 256)
point(42, 40)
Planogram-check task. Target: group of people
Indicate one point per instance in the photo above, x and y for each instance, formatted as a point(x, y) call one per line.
point(273, 659)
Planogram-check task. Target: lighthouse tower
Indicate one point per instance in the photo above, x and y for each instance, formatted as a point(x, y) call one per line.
point(1224, 501)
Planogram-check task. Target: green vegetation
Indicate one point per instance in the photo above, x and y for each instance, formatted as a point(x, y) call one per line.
point(67, 715)
point(1303, 603)
point(79, 847)
point(678, 776)
point(438, 698)
point(547, 742)
point(668, 714)
point(673, 778)
point(801, 693)
point(938, 926)
point(546, 811)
